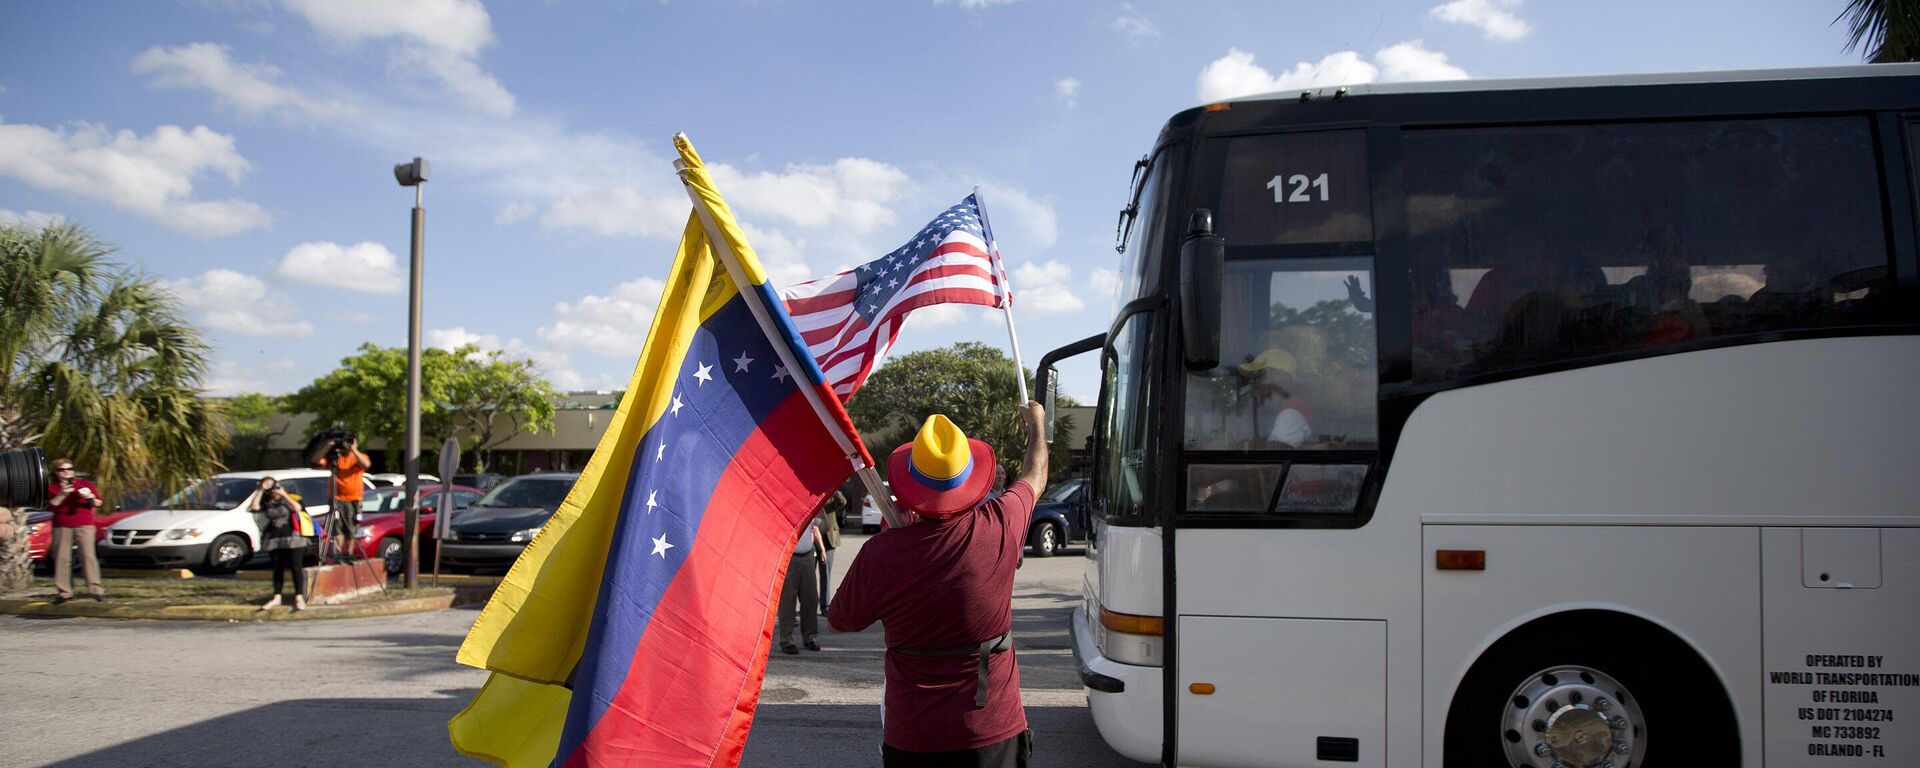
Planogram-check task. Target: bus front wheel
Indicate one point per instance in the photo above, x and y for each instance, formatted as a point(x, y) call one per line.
point(1591, 688)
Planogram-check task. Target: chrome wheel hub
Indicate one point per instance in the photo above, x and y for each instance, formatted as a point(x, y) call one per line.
point(1573, 717)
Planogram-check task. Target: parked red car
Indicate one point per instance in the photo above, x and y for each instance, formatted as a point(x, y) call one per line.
point(383, 520)
point(40, 538)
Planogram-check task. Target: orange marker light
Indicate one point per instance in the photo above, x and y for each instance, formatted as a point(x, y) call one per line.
point(1130, 624)
point(1217, 107)
point(1203, 689)
point(1460, 559)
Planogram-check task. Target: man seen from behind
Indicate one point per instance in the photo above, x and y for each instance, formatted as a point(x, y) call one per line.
point(942, 586)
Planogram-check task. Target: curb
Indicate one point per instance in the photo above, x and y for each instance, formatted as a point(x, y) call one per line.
point(235, 613)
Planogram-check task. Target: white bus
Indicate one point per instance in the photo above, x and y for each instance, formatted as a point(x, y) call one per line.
point(1526, 423)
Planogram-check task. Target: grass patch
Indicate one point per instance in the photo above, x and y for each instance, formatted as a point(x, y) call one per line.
point(198, 591)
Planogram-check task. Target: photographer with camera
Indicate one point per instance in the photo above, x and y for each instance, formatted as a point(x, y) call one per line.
point(73, 500)
point(339, 451)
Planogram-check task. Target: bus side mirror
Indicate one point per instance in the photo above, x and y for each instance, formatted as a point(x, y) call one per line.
point(1203, 259)
point(1049, 388)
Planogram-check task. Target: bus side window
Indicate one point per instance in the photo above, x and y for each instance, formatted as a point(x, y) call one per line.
point(1546, 244)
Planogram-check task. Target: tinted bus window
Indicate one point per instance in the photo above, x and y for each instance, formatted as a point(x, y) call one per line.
point(1537, 245)
point(1296, 188)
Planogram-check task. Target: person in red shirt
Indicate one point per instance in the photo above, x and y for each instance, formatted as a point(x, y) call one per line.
point(73, 500)
point(348, 489)
point(942, 587)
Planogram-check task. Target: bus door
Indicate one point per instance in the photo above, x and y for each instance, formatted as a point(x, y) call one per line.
point(1281, 647)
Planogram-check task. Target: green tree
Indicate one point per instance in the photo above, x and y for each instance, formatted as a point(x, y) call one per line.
point(250, 417)
point(482, 397)
point(98, 365)
point(971, 383)
point(1889, 30)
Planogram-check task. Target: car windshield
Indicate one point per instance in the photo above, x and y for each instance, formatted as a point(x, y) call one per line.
point(543, 492)
point(1062, 491)
point(213, 493)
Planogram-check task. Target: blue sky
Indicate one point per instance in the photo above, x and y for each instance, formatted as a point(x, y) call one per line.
point(241, 149)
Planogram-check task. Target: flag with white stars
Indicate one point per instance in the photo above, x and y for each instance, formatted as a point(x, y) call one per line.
point(849, 320)
point(635, 629)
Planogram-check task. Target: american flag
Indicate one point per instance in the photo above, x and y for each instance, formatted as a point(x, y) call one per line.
point(849, 320)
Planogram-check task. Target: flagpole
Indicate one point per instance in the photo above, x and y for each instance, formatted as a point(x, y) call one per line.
point(1006, 304)
point(783, 348)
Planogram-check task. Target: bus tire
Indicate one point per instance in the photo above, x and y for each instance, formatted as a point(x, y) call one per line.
point(1675, 710)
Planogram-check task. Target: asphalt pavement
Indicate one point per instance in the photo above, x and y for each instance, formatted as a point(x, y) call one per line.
point(103, 692)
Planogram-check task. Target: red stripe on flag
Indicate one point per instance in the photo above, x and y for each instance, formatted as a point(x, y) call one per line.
point(694, 678)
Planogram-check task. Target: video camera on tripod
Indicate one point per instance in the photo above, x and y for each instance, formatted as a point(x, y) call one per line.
point(339, 440)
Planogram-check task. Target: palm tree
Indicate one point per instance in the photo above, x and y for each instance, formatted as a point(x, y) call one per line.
point(98, 365)
point(1888, 29)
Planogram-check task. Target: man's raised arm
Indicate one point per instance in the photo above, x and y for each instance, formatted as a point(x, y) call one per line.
point(1033, 469)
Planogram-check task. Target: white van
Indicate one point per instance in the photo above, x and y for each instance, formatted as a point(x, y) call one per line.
point(209, 526)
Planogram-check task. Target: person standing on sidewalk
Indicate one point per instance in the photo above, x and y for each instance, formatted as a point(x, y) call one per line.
point(802, 587)
point(829, 522)
point(73, 500)
point(943, 588)
point(283, 528)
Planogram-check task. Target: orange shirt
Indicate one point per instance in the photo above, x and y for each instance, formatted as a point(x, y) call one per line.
point(347, 485)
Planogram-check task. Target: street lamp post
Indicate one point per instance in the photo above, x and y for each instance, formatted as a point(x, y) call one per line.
point(414, 175)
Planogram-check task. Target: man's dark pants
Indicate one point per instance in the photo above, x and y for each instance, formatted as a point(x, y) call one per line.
point(1016, 752)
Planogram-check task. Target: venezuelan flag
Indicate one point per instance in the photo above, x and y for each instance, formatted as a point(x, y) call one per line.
point(635, 629)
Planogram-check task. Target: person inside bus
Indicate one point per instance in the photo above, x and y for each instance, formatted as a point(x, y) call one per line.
point(1662, 294)
point(1281, 413)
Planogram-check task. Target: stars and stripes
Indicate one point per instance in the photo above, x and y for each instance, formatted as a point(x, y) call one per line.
point(850, 320)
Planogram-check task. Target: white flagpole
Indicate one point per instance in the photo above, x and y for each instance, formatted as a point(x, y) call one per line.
point(1006, 304)
point(781, 347)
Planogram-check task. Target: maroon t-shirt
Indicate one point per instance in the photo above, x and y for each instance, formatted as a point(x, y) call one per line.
point(939, 584)
point(74, 511)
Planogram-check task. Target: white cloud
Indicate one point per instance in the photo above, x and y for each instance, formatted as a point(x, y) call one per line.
point(1135, 27)
point(30, 219)
point(1068, 89)
point(458, 336)
point(230, 301)
point(619, 210)
point(1236, 74)
point(514, 212)
point(1409, 62)
point(1495, 18)
point(442, 37)
point(230, 378)
point(366, 267)
point(1045, 288)
point(151, 175)
point(248, 88)
point(1021, 222)
point(613, 325)
point(851, 194)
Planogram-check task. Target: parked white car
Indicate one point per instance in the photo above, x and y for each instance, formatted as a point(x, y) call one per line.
point(869, 514)
point(209, 526)
point(400, 478)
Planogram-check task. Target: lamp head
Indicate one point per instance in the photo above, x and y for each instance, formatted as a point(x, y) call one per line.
point(411, 174)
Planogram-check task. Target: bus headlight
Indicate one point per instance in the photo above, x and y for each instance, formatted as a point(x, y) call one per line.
point(1130, 639)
